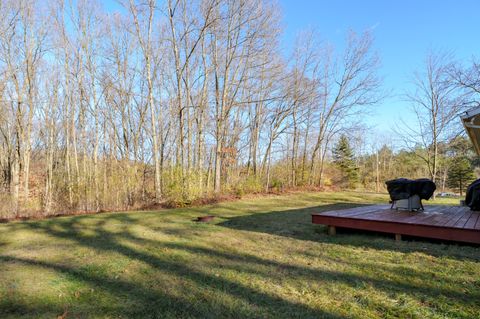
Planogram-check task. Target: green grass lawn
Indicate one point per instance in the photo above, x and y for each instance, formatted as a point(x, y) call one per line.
point(260, 258)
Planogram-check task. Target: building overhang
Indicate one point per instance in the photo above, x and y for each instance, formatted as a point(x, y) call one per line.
point(471, 123)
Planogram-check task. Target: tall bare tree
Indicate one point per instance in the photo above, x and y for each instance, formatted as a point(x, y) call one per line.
point(143, 30)
point(435, 104)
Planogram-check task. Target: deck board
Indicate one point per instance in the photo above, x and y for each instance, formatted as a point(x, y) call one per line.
point(462, 221)
point(440, 222)
point(357, 210)
point(428, 218)
point(459, 213)
point(471, 221)
point(440, 217)
point(477, 225)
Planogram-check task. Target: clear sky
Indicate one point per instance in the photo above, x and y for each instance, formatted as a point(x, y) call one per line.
point(404, 32)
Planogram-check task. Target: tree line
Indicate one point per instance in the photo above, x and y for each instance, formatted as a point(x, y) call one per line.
point(175, 100)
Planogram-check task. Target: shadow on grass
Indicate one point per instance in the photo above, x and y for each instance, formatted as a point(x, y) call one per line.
point(297, 224)
point(19, 309)
point(202, 293)
point(134, 299)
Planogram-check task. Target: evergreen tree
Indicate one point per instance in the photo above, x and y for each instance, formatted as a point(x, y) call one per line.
point(345, 161)
point(460, 174)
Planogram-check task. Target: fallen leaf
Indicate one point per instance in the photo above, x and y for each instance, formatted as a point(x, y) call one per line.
point(63, 315)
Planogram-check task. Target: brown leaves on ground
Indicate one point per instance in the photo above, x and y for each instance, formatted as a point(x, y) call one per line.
point(63, 315)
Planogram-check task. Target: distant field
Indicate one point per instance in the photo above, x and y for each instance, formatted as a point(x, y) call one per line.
point(260, 258)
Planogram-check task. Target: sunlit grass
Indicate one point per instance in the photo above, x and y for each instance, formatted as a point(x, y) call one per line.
point(261, 257)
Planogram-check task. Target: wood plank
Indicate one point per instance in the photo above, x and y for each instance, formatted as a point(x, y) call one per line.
point(396, 216)
point(454, 213)
point(457, 217)
point(379, 212)
point(415, 218)
point(462, 221)
point(339, 212)
point(420, 217)
point(471, 221)
point(439, 218)
point(423, 218)
point(365, 212)
point(332, 230)
point(353, 211)
point(477, 225)
point(390, 215)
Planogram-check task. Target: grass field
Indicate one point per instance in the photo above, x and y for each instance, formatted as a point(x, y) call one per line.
point(260, 258)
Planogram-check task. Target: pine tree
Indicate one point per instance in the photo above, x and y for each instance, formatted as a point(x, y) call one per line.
point(345, 161)
point(460, 174)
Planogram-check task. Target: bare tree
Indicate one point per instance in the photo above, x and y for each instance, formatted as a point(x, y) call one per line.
point(467, 80)
point(22, 51)
point(346, 86)
point(435, 103)
point(144, 36)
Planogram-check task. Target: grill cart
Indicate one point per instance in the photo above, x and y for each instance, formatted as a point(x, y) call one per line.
point(407, 194)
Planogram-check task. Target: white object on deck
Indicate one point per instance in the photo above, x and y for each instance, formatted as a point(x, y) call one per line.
point(412, 203)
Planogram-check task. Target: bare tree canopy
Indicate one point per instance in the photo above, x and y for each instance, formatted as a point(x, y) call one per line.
point(168, 101)
point(436, 102)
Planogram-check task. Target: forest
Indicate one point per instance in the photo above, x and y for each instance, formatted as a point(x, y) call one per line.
point(174, 102)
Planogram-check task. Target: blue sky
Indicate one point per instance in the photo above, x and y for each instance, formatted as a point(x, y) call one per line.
point(404, 33)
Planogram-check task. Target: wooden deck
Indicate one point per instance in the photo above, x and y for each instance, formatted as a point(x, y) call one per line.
point(438, 222)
